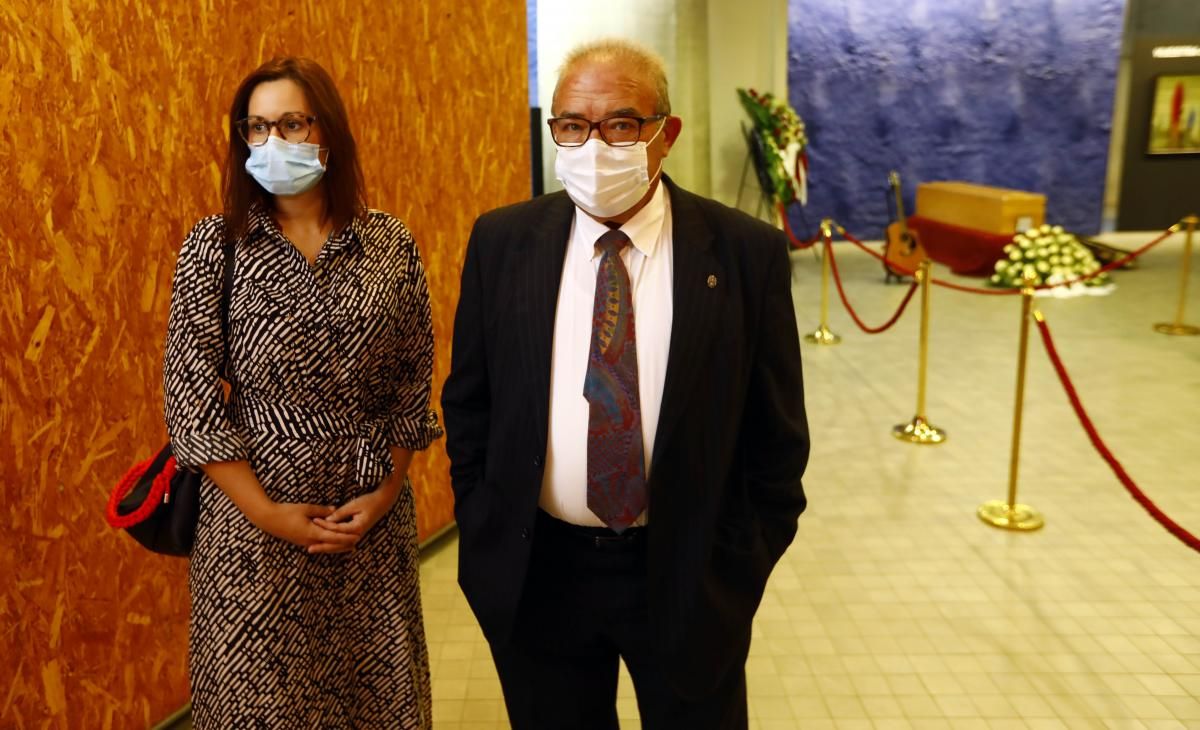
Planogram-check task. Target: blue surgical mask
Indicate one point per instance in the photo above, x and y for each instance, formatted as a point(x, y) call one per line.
point(283, 168)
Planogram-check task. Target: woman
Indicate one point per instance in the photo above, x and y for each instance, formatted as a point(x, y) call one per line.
point(305, 603)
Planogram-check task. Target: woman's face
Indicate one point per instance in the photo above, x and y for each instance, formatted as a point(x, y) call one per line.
point(271, 100)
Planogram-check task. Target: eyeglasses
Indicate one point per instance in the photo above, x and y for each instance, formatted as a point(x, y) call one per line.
point(293, 126)
point(615, 131)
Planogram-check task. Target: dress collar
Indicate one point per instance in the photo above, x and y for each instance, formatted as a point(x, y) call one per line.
point(261, 223)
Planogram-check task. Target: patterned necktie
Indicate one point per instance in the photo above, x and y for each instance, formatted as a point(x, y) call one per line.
point(616, 471)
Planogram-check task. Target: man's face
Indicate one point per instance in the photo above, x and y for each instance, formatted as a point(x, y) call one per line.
point(597, 90)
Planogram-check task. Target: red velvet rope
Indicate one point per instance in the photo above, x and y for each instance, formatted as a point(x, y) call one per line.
point(977, 290)
point(160, 489)
point(837, 279)
point(796, 243)
point(1171, 526)
point(910, 272)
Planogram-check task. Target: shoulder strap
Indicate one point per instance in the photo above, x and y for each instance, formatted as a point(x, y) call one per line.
point(226, 295)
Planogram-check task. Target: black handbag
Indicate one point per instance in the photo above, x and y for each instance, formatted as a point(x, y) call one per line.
point(155, 501)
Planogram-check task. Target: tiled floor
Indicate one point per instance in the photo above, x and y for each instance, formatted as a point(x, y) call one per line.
point(897, 607)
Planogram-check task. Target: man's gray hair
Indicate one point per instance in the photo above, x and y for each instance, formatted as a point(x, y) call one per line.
point(634, 58)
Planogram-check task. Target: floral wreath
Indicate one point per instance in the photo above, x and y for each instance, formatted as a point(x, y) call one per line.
point(779, 134)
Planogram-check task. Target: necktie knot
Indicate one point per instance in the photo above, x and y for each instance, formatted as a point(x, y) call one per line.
point(612, 242)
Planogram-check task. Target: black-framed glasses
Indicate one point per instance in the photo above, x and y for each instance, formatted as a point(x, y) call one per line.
point(293, 126)
point(622, 131)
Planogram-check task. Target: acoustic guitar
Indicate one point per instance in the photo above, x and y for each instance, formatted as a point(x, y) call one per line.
point(902, 252)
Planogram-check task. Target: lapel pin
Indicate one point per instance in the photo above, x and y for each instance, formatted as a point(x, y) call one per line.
point(712, 281)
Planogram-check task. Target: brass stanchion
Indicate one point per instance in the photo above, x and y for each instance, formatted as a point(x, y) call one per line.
point(823, 335)
point(919, 431)
point(1009, 514)
point(1178, 327)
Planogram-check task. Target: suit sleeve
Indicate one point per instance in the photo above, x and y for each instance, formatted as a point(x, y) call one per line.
point(775, 429)
point(466, 398)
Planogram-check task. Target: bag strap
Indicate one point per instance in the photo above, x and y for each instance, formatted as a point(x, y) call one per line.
point(226, 295)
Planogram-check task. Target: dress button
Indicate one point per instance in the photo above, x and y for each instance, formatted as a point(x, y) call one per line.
point(537, 461)
point(524, 533)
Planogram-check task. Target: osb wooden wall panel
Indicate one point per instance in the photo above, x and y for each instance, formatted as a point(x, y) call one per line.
point(111, 136)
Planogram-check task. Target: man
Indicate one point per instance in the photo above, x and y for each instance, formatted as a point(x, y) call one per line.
point(625, 421)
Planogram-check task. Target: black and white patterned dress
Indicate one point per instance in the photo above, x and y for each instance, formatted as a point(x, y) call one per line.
point(331, 363)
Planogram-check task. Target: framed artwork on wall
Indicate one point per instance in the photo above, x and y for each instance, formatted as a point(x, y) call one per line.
point(1175, 115)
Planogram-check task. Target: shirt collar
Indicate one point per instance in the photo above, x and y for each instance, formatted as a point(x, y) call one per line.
point(643, 229)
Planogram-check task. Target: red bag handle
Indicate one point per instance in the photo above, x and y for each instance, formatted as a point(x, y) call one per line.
point(160, 491)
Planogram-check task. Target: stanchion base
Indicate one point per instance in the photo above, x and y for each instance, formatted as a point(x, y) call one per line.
point(999, 513)
point(1170, 328)
point(823, 336)
point(919, 432)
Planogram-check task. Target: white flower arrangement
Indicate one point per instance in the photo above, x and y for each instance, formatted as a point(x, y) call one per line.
point(1050, 255)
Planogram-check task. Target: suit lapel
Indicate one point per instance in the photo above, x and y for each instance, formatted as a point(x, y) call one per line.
point(540, 262)
point(695, 306)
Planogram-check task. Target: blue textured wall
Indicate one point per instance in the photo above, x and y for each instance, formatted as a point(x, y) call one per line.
point(531, 42)
point(1014, 93)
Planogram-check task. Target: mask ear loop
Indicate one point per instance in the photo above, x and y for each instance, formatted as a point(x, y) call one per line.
point(661, 160)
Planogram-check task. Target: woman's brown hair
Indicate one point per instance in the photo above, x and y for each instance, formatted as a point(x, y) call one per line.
point(343, 179)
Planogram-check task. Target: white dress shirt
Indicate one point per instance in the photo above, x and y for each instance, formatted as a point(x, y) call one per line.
point(648, 260)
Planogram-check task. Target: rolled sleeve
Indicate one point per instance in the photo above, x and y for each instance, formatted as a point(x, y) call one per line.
point(196, 448)
point(414, 434)
point(409, 422)
point(194, 398)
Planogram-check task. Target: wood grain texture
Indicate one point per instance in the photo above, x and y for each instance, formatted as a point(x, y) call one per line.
point(111, 140)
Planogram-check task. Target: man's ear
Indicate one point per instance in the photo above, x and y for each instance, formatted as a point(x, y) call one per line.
point(671, 129)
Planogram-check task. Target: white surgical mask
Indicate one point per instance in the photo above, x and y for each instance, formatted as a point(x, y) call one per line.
point(283, 168)
point(605, 180)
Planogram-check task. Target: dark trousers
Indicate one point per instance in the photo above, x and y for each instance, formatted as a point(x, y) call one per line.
point(584, 609)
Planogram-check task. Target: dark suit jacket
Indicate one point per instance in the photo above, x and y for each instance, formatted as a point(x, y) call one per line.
point(732, 439)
